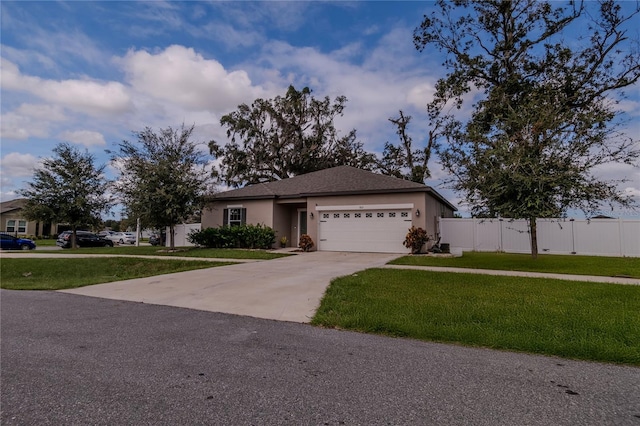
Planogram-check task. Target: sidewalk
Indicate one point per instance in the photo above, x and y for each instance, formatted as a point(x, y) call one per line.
point(588, 278)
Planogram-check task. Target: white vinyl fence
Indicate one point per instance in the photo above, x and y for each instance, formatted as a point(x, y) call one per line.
point(182, 231)
point(596, 237)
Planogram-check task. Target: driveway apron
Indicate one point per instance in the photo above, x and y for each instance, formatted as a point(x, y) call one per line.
point(285, 289)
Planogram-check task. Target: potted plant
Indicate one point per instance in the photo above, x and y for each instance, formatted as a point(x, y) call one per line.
point(283, 242)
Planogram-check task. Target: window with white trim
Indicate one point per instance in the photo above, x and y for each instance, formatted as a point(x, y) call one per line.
point(235, 216)
point(19, 226)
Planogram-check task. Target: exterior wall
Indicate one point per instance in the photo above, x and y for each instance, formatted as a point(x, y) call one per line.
point(258, 211)
point(17, 215)
point(281, 224)
point(418, 199)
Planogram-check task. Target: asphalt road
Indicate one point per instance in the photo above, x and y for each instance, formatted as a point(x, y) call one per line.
point(69, 359)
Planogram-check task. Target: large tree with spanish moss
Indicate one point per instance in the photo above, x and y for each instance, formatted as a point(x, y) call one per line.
point(546, 78)
point(286, 136)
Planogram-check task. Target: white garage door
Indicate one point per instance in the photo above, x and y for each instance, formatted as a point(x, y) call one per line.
point(375, 230)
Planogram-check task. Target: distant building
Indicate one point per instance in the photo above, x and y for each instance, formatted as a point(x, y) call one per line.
point(12, 221)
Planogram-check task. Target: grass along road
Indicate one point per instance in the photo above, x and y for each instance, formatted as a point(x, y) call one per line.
point(64, 273)
point(180, 252)
point(589, 321)
point(557, 264)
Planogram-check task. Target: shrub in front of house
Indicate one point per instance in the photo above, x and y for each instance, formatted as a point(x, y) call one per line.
point(416, 238)
point(244, 236)
point(306, 243)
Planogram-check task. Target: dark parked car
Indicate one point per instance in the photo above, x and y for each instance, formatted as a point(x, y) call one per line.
point(83, 239)
point(155, 240)
point(9, 242)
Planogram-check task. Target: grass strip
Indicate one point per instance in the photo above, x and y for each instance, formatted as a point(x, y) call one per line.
point(180, 252)
point(579, 320)
point(58, 274)
point(578, 265)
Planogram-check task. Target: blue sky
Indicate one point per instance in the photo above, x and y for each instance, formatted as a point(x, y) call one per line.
point(90, 73)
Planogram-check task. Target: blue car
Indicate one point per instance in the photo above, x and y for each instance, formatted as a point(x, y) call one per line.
point(9, 242)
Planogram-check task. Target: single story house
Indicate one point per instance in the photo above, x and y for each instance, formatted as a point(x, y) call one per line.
point(341, 209)
point(13, 221)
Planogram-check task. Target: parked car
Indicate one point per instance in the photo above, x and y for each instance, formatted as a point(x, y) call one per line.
point(83, 239)
point(155, 240)
point(122, 237)
point(9, 242)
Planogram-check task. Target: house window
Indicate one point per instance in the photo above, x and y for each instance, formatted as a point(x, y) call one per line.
point(357, 215)
point(325, 215)
point(336, 215)
point(368, 215)
point(235, 216)
point(404, 214)
point(347, 215)
point(392, 214)
point(19, 226)
point(380, 214)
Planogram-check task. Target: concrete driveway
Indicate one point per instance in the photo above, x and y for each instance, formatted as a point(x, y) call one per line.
point(285, 289)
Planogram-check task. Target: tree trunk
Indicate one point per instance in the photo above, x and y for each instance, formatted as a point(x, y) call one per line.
point(172, 237)
point(74, 238)
point(533, 229)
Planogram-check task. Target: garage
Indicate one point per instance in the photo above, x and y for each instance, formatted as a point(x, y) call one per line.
point(378, 229)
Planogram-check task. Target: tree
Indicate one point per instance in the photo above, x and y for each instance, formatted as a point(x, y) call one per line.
point(112, 224)
point(69, 189)
point(283, 137)
point(547, 113)
point(163, 177)
point(403, 161)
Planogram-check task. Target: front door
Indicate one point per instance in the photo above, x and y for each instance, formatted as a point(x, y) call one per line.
point(302, 223)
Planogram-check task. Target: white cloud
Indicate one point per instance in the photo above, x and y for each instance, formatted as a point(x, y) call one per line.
point(84, 137)
point(15, 164)
point(86, 96)
point(181, 76)
point(421, 94)
point(29, 120)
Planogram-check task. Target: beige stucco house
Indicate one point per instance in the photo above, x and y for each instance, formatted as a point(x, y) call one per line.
point(12, 221)
point(342, 209)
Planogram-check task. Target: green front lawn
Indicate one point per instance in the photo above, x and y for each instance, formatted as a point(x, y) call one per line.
point(50, 242)
point(180, 252)
point(579, 265)
point(58, 274)
point(590, 321)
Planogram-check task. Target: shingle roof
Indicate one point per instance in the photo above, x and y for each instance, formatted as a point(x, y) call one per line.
point(11, 205)
point(342, 180)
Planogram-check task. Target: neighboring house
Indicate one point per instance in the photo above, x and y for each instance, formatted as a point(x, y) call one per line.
point(341, 209)
point(12, 221)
